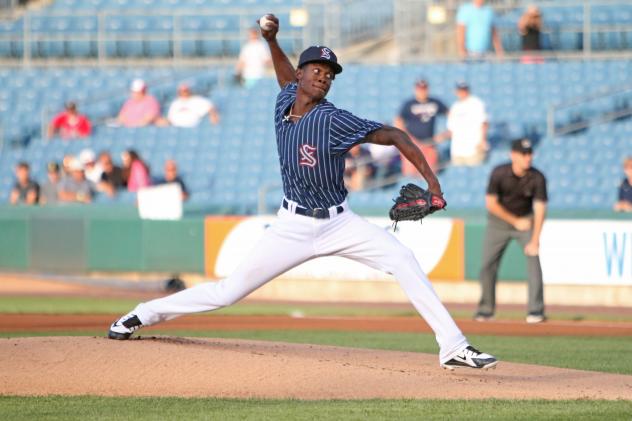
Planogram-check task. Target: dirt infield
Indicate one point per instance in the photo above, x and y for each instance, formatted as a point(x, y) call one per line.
point(195, 367)
point(166, 366)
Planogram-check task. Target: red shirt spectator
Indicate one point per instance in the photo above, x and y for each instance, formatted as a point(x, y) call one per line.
point(70, 124)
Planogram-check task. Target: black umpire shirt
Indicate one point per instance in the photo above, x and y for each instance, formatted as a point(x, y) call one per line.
point(516, 194)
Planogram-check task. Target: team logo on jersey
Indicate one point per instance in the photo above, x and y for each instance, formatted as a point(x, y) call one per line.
point(307, 155)
point(325, 53)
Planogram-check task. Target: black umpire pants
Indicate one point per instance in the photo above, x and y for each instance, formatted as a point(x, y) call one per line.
point(497, 236)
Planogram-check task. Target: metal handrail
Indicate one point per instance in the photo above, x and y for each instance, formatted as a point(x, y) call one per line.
point(582, 100)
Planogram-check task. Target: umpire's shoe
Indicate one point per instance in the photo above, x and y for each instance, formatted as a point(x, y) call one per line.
point(471, 357)
point(124, 327)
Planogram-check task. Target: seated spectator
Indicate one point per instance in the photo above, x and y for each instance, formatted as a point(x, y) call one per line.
point(530, 27)
point(467, 124)
point(75, 188)
point(69, 124)
point(188, 110)
point(135, 171)
point(417, 117)
point(25, 190)
point(91, 167)
point(141, 109)
point(171, 176)
point(254, 58)
point(65, 165)
point(49, 193)
point(624, 202)
point(358, 168)
point(476, 33)
point(111, 177)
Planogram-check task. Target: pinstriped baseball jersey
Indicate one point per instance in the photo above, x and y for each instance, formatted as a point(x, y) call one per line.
point(311, 150)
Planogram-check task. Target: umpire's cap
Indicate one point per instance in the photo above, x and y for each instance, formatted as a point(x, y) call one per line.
point(523, 146)
point(320, 54)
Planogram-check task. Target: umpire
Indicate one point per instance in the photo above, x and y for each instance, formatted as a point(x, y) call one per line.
point(516, 203)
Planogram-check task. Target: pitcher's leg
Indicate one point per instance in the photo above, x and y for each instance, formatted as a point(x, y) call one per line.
point(373, 246)
point(274, 254)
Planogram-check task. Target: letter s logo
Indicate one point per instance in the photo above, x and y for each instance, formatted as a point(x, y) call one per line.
point(307, 155)
point(325, 53)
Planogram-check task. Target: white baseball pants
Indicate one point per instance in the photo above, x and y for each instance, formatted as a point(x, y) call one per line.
point(293, 239)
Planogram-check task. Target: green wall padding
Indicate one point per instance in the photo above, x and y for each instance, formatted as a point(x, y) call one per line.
point(513, 266)
point(58, 244)
point(14, 245)
point(174, 246)
point(115, 245)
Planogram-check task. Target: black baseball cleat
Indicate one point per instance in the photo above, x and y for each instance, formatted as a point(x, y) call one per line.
point(123, 328)
point(472, 358)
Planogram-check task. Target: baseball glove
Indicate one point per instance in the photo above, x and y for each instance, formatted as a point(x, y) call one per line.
point(414, 204)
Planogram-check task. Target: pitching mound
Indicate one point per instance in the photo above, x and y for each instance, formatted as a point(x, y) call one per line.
point(167, 366)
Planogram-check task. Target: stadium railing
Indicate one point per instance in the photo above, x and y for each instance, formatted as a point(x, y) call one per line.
point(606, 105)
point(183, 33)
point(425, 29)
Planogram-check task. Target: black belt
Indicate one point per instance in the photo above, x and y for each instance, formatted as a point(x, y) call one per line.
point(318, 213)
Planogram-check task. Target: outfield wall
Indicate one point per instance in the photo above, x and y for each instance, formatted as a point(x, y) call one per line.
point(581, 252)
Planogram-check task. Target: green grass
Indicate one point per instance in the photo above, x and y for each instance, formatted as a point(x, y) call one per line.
point(606, 354)
point(96, 305)
point(138, 409)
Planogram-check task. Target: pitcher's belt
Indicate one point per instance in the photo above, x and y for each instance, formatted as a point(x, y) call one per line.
point(318, 213)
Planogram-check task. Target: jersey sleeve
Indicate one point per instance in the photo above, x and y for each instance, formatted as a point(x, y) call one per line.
point(462, 15)
point(283, 101)
point(404, 109)
point(493, 187)
point(57, 120)
point(347, 130)
point(540, 193)
point(442, 108)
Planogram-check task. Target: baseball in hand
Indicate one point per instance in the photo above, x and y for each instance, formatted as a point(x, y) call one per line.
point(265, 23)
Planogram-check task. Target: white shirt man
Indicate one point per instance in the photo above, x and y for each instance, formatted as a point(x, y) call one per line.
point(188, 110)
point(254, 58)
point(467, 123)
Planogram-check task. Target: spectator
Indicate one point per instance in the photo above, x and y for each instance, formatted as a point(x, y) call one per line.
point(358, 168)
point(188, 110)
point(75, 187)
point(25, 190)
point(50, 189)
point(624, 204)
point(530, 27)
point(70, 124)
point(417, 117)
point(135, 171)
point(141, 109)
point(475, 31)
point(467, 124)
point(254, 58)
point(91, 167)
point(171, 176)
point(516, 203)
point(386, 161)
point(111, 177)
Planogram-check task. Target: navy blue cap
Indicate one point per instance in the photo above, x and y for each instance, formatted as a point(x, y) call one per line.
point(461, 84)
point(320, 54)
point(522, 146)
